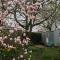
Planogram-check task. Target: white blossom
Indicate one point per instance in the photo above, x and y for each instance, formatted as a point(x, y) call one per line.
point(24, 59)
point(5, 37)
point(11, 38)
point(8, 35)
point(25, 52)
point(20, 42)
point(5, 45)
point(21, 56)
point(22, 45)
point(1, 27)
point(15, 29)
point(10, 46)
point(24, 34)
point(15, 38)
point(13, 58)
point(11, 31)
point(27, 38)
point(30, 51)
point(29, 58)
point(18, 37)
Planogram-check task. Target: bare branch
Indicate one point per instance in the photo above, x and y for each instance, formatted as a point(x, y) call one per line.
point(16, 18)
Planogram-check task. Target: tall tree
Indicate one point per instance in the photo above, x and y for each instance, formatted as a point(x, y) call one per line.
point(35, 12)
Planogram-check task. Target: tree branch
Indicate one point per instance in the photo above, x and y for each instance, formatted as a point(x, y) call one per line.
point(44, 19)
point(3, 8)
point(16, 18)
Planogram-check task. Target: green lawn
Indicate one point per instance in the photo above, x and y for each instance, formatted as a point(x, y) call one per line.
point(37, 53)
point(45, 53)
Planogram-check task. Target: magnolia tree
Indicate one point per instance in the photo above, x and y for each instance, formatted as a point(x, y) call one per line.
point(26, 10)
point(15, 45)
point(25, 14)
point(51, 9)
point(8, 42)
point(28, 14)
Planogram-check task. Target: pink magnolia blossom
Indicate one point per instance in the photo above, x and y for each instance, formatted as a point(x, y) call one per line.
point(15, 29)
point(1, 38)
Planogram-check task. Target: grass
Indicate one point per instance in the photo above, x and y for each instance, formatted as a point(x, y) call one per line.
point(45, 53)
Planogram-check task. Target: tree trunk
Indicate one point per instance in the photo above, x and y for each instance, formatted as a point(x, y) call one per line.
point(30, 25)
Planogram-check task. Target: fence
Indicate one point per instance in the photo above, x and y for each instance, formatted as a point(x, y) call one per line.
point(51, 38)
